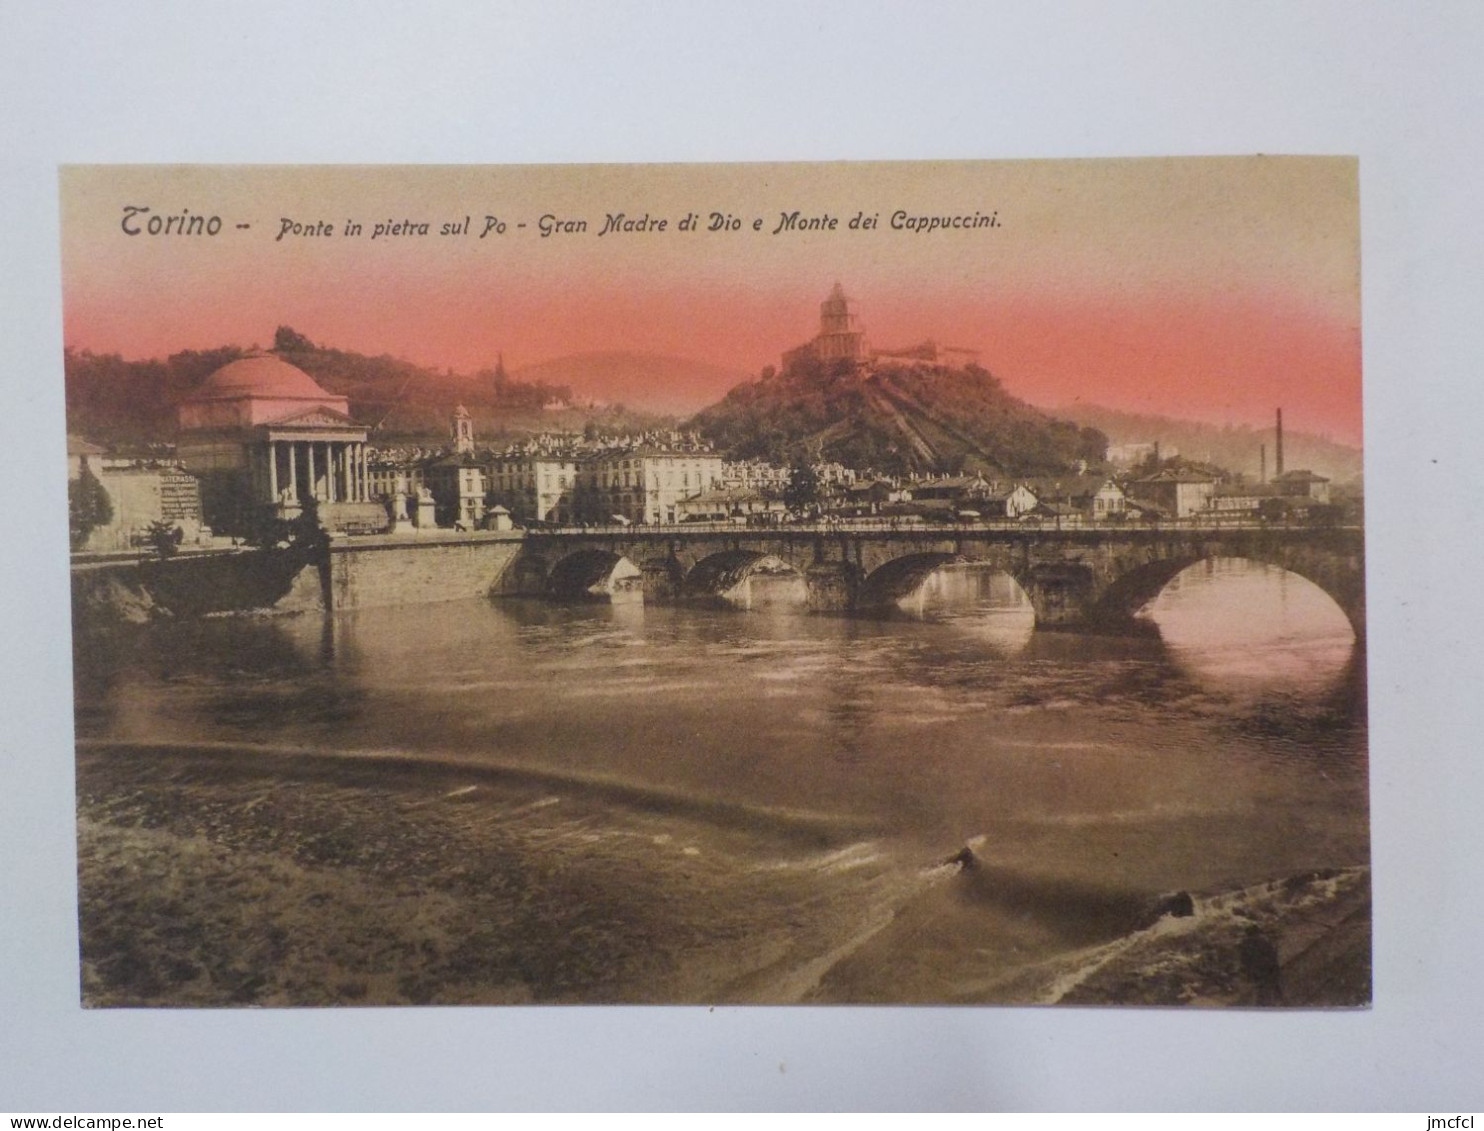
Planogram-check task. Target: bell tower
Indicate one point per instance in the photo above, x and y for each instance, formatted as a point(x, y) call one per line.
point(837, 314)
point(463, 431)
point(840, 333)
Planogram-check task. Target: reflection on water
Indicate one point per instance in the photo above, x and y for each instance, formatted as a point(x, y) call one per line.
point(769, 589)
point(1253, 627)
point(973, 599)
point(937, 723)
point(1091, 763)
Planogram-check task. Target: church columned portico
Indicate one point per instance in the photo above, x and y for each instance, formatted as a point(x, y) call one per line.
point(264, 440)
point(296, 468)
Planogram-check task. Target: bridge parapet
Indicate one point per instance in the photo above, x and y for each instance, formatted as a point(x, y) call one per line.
point(1073, 575)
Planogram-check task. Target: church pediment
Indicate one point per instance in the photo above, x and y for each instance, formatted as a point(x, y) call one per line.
point(319, 417)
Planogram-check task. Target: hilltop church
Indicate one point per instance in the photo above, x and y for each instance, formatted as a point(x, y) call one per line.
point(841, 338)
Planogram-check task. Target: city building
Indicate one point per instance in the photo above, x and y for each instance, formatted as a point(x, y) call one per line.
point(262, 438)
point(1133, 454)
point(1239, 499)
point(1174, 492)
point(834, 476)
point(140, 494)
point(458, 486)
point(865, 497)
point(388, 475)
point(953, 488)
point(535, 486)
point(646, 483)
point(1301, 484)
point(1095, 496)
point(1003, 501)
point(730, 504)
point(755, 475)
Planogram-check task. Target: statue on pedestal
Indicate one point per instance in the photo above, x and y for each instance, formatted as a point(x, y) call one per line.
point(425, 509)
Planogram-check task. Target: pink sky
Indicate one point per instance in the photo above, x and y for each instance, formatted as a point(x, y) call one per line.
point(1209, 289)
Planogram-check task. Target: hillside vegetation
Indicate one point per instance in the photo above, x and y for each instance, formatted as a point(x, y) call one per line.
point(121, 401)
point(1233, 446)
point(895, 418)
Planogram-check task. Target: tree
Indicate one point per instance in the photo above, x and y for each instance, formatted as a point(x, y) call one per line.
point(1327, 515)
point(803, 488)
point(164, 537)
point(88, 506)
point(305, 532)
point(1273, 509)
point(288, 340)
point(1092, 446)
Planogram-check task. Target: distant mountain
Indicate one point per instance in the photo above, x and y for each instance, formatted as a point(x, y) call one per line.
point(647, 381)
point(899, 419)
point(1234, 447)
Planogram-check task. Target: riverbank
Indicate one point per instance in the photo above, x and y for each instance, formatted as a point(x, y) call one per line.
point(220, 878)
point(215, 877)
point(1298, 941)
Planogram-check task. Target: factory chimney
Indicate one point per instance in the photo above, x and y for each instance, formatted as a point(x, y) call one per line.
point(1278, 474)
point(1262, 463)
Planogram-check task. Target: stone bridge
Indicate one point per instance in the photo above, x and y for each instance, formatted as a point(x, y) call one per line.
point(1095, 576)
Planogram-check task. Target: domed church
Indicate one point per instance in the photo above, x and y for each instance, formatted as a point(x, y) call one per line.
point(262, 437)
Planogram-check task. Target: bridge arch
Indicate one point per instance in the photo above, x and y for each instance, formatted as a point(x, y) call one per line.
point(594, 574)
point(1072, 577)
point(728, 573)
point(1135, 588)
point(527, 575)
point(898, 578)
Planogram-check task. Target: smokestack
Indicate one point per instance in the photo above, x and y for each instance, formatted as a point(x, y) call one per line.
point(1262, 463)
point(1278, 474)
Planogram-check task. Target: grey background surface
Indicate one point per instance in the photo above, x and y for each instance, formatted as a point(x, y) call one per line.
point(449, 82)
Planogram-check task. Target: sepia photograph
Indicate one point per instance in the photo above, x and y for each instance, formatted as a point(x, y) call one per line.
point(934, 583)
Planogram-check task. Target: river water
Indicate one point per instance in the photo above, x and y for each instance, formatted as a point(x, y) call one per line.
point(794, 783)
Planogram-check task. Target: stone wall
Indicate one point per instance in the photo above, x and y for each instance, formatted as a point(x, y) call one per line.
point(141, 496)
point(364, 573)
point(375, 573)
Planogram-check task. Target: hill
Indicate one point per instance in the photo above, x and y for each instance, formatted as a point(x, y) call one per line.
point(896, 419)
point(646, 381)
point(121, 401)
point(1235, 447)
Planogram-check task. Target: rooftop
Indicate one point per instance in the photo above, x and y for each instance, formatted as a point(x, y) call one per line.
point(259, 375)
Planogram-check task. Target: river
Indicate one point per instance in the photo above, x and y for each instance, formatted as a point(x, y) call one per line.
point(760, 804)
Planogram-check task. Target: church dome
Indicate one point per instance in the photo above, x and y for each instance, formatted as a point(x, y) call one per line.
point(260, 375)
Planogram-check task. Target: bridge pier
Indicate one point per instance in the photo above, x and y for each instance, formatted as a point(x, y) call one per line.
point(663, 578)
point(832, 586)
point(1061, 595)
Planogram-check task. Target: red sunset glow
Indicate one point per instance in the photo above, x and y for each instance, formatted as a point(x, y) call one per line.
point(1220, 314)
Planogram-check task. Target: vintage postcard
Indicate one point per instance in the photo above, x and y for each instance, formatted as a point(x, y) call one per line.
point(833, 583)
